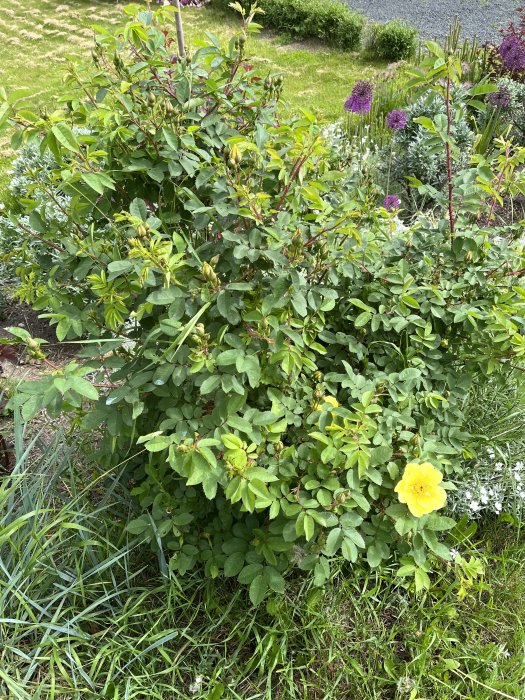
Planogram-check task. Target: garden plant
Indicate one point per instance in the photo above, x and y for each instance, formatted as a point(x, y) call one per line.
point(283, 454)
point(275, 361)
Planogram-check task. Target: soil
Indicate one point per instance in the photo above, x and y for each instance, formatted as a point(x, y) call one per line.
point(23, 316)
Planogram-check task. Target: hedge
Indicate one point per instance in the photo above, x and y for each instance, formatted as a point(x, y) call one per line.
point(327, 20)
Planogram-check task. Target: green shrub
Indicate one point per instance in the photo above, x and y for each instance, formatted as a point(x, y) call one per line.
point(328, 20)
point(393, 41)
point(261, 351)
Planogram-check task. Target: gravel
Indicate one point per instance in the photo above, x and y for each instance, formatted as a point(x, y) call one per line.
point(481, 18)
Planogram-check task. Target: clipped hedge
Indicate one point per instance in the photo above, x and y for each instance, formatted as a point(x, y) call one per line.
point(393, 41)
point(327, 20)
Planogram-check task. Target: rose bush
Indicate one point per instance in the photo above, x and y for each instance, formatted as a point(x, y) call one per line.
point(262, 349)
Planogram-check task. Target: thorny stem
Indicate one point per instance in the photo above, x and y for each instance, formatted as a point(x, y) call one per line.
point(449, 160)
point(293, 174)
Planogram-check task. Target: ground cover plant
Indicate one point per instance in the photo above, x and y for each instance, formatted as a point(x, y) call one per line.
point(283, 362)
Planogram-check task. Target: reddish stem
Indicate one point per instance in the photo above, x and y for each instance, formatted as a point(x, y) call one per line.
point(449, 162)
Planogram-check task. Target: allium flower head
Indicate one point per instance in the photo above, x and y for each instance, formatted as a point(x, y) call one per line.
point(512, 53)
point(501, 98)
point(396, 119)
point(420, 490)
point(360, 100)
point(391, 202)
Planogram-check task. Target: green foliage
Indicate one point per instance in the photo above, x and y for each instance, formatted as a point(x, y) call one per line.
point(393, 41)
point(96, 620)
point(323, 75)
point(225, 284)
point(328, 20)
point(417, 152)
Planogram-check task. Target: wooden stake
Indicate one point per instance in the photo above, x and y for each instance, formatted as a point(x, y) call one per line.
point(180, 30)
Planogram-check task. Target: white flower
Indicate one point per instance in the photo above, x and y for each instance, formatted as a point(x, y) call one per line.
point(498, 466)
point(468, 494)
point(474, 505)
point(503, 651)
point(196, 685)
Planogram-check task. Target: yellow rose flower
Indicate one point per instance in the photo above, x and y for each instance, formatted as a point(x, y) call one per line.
point(420, 490)
point(326, 399)
point(332, 401)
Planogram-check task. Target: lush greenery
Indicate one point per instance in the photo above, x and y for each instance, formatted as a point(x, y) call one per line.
point(37, 39)
point(275, 344)
point(393, 41)
point(86, 615)
point(329, 20)
point(268, 336)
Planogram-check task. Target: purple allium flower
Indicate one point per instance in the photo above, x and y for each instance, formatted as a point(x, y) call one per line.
point(391, 202)
point(512, 53)
point(396, 119)
point(360, 100)
point(500, 99)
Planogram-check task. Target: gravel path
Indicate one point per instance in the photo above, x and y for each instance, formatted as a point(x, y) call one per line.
point(434, 17)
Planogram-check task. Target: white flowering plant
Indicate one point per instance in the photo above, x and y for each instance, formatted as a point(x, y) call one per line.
point(493, 478)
